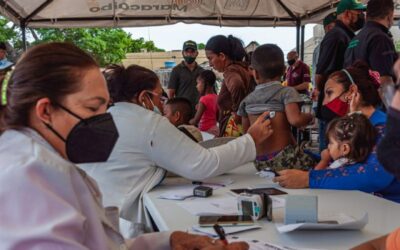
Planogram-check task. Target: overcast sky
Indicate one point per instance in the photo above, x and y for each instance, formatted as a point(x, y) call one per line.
point(172, 37)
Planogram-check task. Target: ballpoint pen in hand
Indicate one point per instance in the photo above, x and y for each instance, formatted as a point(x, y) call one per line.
point(221, 233)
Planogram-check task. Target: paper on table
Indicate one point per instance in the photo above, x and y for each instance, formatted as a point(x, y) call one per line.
point(178, 193)
point(182, 192)
point(217, 182)
point(260, 245)
point(211, 206)
point(278, 202)
point(345, 222)
point(228, 230)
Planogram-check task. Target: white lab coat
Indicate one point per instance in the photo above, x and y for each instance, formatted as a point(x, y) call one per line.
point(147, 140)
point(46, 202)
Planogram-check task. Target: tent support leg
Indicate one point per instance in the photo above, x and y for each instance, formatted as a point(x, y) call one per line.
point(302, 42)
point(23, 29)
point(298, 35)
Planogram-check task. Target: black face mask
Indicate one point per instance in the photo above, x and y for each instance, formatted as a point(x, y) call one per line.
point(327, 114)
point(189, 59)
point(91, 139)
point(359, 24)
point(291, 62)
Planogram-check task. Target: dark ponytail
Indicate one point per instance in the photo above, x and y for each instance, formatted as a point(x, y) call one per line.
point(231, 46)
point(52, 70)
point(125, 83)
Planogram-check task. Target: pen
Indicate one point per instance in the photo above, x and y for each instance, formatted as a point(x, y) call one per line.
point(205, 183)
point(271, 115)
point(221, 233)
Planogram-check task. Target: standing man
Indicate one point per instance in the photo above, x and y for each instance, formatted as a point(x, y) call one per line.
point(298, 73)
point(182, 82)
point(329, 23)
point(350, 18)
point(374, 44)
point(298, 77)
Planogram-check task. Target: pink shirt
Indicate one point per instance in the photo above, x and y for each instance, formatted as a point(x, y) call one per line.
point(209, 117)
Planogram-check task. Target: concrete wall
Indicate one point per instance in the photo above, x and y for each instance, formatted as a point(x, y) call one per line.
point(155, 60)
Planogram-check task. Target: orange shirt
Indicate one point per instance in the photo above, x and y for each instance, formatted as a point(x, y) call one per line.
point(393, 240)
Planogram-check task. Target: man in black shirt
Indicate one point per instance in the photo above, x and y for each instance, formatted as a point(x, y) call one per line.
point(182, 82)
point(350, 18)
point(374, 44)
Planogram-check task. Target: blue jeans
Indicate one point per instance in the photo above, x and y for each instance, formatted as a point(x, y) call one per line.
point(323, 144)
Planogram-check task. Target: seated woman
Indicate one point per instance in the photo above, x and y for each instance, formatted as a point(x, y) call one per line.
point(354, 89)
point(149, 145)
point(56, 103)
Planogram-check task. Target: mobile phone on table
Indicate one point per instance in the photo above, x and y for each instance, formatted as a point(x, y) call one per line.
point(226, 220)
point(268, 191)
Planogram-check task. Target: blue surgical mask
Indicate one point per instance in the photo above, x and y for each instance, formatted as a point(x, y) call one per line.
point(155, 108)
point(4, 63)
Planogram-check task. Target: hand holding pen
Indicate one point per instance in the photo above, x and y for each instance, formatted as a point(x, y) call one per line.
point(186, 241)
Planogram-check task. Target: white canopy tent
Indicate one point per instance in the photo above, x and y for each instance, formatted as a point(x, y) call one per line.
point(128, 13)
point(134, 13)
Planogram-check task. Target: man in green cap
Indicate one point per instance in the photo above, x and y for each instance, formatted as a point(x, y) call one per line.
point(182, 82)
point(350, 18)
point(329, 24)
point(374, 44)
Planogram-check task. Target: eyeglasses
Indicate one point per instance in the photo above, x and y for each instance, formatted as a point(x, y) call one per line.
point(163, 99)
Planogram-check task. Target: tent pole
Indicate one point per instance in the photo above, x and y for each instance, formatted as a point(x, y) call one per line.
point(302, 42)
point(298, 35)
point(23, 29)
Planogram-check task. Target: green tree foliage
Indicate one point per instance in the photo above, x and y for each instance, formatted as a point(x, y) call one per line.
point(107, 45)
point(7, 31)
point(397, 44)
point(201, 46)
point(139, 44)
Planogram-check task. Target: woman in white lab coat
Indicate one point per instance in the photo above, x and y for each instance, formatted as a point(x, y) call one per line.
point(54, 116)
point(149, 145)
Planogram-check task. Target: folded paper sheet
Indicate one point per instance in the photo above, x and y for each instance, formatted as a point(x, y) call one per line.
point(344, 222)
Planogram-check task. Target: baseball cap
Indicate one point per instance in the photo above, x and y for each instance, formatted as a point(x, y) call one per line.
point(190, 45)
point(350, 5)
point(330, 18)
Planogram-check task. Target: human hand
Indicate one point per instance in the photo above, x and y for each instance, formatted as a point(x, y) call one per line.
point(315, 94)
point(325, 155)
point(292, 178)
point(260, 130)
point(236, 118)
point(185, 241)
point(325, 160)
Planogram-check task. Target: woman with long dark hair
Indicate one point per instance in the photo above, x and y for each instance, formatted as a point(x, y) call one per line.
point(227, 55)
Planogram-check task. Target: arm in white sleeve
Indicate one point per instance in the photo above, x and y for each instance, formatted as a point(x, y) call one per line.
point(151, 241)
point(175, 152)
point(37, 211)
